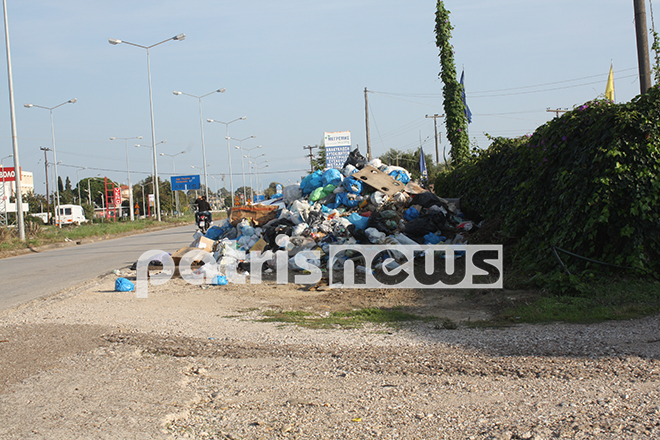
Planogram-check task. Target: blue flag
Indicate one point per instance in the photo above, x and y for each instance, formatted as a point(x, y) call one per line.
point(466, 109)
point(422, 164)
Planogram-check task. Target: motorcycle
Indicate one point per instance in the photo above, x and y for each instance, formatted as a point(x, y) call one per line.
point(203, 221)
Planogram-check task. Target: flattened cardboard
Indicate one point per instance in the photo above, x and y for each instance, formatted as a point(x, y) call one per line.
point(379, 180)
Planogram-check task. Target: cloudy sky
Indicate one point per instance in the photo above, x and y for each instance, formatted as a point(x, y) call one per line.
point(295, 69)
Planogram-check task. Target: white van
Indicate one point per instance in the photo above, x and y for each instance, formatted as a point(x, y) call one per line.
point(71, 214)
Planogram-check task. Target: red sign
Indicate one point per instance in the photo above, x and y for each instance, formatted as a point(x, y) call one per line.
point(7, 174)
point(117, 196)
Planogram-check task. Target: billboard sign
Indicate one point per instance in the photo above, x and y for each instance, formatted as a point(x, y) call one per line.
point(7, 174)
point(116, 196)
point(337, 147)
point(184, 183)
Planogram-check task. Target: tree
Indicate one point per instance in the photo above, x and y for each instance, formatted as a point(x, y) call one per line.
point(271, 190)
point(318, 160)
point(410, 161)
point(455, 120)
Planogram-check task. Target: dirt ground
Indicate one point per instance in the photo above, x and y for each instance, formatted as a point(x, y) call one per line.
point(195, 361)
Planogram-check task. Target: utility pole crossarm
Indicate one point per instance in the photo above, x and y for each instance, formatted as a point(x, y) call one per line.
point(437, 139)
point(311, 156)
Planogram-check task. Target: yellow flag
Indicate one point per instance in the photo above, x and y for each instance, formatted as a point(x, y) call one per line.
point(609, 90)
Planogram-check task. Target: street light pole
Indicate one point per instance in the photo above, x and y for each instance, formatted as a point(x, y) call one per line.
point(52, 133)
point(176, 193)
point(231, 177)
point(78, 185)
point(201, 126)
point(242, 166)
point(128, 174)
point(179, 37)
point(153, 171)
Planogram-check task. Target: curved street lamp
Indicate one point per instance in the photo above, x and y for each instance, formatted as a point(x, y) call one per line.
point(115, 41)
point(52, 133)
point(231, 177)
point(201, 125)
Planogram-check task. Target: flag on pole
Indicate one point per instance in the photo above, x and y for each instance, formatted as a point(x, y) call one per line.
point(609, 89)
point(422, 164)
point(466, 109)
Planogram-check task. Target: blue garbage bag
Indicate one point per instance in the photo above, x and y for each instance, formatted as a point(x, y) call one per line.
point(343, 199)
point(359, 221)
point(219, 280)
point(124, 285)
point(401, 176)
point(410, 214)
point(331, 176)
point(311, 182)
point(352, 185)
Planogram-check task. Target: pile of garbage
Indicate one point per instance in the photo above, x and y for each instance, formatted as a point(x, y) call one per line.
point(365, 202)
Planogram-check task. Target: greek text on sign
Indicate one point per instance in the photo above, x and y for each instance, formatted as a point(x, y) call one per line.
point(184, 183)
point(337, 148)
point(336, 138)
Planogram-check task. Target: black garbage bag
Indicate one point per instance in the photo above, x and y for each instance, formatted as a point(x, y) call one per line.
point(275, 228)
point(427, 199)
point(358, 234)
point(379, 222)
point(425, 223)
point(355, 159)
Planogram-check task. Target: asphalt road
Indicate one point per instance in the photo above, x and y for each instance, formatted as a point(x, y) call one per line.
point(36, 275)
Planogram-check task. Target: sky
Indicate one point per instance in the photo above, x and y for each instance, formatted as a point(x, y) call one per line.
point(295, 69)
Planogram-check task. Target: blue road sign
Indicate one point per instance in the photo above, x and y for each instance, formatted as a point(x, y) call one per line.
point(184, 183)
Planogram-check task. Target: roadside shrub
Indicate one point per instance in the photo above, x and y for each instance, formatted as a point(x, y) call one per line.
point(587, 182)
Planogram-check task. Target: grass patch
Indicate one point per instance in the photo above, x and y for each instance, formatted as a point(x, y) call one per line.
point(37, 234)
point(350, 319)
point(592, 302)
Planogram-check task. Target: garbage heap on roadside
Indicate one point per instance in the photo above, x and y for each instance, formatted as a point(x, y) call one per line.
point(364, 202)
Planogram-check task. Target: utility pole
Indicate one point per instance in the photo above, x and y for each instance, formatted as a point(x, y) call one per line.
point(310, 155)
point(46, 150)
point(642, 46)
point(437, 140)
point(366, 118)
point(557, 110)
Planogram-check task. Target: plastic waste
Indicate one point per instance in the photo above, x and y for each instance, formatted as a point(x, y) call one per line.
point(359, 221)
point(219, 280)
point(244, 228)
point(374, 235)
point(331, 176)
point(291, 193)
point(411, 214)
point(311, 182)
point(352, 185)
point(321, 192)
point(378, 198)
point(124, 285)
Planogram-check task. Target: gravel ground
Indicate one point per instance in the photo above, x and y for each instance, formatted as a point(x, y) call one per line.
point(190, 362)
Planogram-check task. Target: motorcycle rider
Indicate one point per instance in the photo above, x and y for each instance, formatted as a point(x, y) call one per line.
point(203, 207)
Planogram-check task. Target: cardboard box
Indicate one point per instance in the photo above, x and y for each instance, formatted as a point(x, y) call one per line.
point(204, 243)
point(379, 180)
point(259, 214)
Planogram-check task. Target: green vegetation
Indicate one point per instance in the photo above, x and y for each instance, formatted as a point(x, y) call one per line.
point(38, 234)
point(587, 182)
point(591, 302)
point(350, 319)
point(455, 120)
